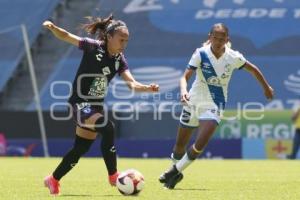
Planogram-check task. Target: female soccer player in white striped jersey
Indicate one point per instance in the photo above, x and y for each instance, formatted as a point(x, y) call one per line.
point(213, 64)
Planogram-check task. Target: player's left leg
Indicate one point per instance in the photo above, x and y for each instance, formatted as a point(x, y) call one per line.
point(206, 130)
point(188, 122)
point(182, 139)
point(100, 123)
point(80, 147)
point(106, 129)
point(296, 144)
point(83, 141)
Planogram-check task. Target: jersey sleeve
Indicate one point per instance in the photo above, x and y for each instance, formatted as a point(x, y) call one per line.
point(239, 60)
point(123, 65)
point(195, 60)
point(88, 44)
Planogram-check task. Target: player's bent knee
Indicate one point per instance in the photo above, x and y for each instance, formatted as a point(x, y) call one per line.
point(104, 126)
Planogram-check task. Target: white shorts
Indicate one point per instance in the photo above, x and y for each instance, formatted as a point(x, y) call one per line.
point(190, 116)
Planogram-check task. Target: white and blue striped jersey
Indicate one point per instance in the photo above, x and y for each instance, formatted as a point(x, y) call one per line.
point(213, 75)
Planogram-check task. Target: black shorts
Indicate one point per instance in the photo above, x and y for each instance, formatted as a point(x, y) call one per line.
point(83, 111)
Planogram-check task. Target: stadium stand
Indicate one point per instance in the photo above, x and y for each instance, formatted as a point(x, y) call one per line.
point(64, 73)
point(30, 13)
point(45, 48)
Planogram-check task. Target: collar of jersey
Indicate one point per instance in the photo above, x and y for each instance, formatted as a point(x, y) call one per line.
point(211, 55)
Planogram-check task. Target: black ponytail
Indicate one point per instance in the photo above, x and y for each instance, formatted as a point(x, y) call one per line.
point(98, 26)
point(102, 27)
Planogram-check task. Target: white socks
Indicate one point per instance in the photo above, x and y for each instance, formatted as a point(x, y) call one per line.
point(186, 160)
point(183, 163)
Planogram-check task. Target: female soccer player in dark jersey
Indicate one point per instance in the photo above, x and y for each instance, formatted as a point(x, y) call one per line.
point(102, 60)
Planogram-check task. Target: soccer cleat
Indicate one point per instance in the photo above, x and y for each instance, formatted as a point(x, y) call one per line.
point(52, 184)
point(168, 174)
point(171, 177)
point(162, 177)
point(113, 179)
point(173, 181)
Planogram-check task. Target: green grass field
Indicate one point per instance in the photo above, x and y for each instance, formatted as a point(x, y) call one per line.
point(22, 178)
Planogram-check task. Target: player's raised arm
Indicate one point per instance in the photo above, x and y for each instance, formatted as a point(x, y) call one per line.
point(61, 33)
point(137, 86)
point(268, 90)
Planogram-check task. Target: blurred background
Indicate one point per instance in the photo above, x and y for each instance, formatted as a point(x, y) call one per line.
point(163, 36)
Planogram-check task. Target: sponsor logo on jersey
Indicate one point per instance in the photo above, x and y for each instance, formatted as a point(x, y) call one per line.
point(106, 71)
point(113, 149)
point(227, 68)
point(213, 80)
point(82, 105)
point(99, 87)
point(99, 57)
point(206, 65)
point(86, 110)
point(224, 75)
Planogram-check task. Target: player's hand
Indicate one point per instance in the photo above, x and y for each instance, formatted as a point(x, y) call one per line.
point(48, 24)
point(154, 87)
point(184, 98)
point(269, 93)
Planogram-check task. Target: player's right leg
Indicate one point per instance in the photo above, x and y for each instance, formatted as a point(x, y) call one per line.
point(182, 139)
point(205, 132)
point(106, 129)
point(83, 141)
point(84, 138)
point(100, 123)
point(188, 122)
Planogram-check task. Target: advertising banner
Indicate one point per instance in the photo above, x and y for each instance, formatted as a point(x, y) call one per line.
point(256, 124)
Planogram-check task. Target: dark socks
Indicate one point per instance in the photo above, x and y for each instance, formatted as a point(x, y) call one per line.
point(81, 146)
point(107, 146)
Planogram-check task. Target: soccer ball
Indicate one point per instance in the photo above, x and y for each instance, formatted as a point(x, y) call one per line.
point(130, 182)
